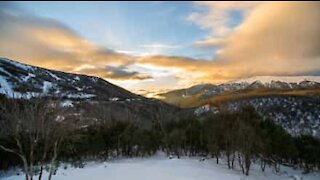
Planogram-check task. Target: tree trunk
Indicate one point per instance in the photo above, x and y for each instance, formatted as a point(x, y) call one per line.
point(53, 160)
point(277, 167)
point(241, 163)
point(232, 160)
point(263, 165)
point(40, 174)
point(247, 164)
point(217, 159)
point(228, 160)
point(31, 170)
point(44, 156)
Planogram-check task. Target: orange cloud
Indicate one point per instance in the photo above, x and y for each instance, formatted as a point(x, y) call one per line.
point(50, 44)
point(275, 38)
point(200, 70)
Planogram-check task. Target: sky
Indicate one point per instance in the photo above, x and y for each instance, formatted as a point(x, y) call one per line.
point(151, 47)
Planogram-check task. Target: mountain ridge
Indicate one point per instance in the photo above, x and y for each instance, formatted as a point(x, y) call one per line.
point(269, 79)
point(272, 83)
point(20, 80)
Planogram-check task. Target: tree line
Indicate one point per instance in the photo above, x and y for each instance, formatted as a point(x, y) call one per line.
point(37, 136)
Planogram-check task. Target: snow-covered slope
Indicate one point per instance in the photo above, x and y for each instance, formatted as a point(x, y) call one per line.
point(161, 168)
point(297, 115)
point(19, 80)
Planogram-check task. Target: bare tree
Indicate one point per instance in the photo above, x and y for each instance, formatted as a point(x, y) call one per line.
point(36, 126)
point(160, 117)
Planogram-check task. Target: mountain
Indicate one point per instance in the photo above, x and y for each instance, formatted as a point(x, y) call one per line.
point(82, 95)
point(24, 81)
point(198, 95)
point(292, 102)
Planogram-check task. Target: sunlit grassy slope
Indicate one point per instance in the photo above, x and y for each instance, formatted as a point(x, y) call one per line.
point(199, 100)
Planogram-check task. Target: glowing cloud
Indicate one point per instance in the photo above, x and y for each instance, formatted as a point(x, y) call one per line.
point(48, 43)
point(282, 42)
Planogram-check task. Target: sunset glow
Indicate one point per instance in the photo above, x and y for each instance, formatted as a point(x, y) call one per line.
point(149, 47)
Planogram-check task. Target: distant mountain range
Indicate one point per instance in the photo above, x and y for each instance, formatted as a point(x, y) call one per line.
point(259, 85)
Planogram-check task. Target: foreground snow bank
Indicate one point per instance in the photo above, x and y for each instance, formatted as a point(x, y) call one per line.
point(160, 167)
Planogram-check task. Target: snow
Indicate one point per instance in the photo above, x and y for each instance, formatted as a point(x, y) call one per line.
point(81, 96)
point(160, 167)
point(4, 71)
point(94, 79)
point(202, 109)
point(77, 78)
point(54, 76)
point(268, 79)
point(27, 95)
point(60, 118)
point(79, 89)
point(20, 65)
point(5, 87)
point(30, 75)
point(114, 99)
point(46, 87)
point(66, 103)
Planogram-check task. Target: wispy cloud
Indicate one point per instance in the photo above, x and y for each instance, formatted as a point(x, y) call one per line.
point(217, 15)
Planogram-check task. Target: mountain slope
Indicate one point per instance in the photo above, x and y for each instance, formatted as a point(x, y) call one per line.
point(25, 81)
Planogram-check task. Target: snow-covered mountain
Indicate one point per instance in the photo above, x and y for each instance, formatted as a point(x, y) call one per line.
point(280, 82)
point(257, 82)
point(19, 80)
